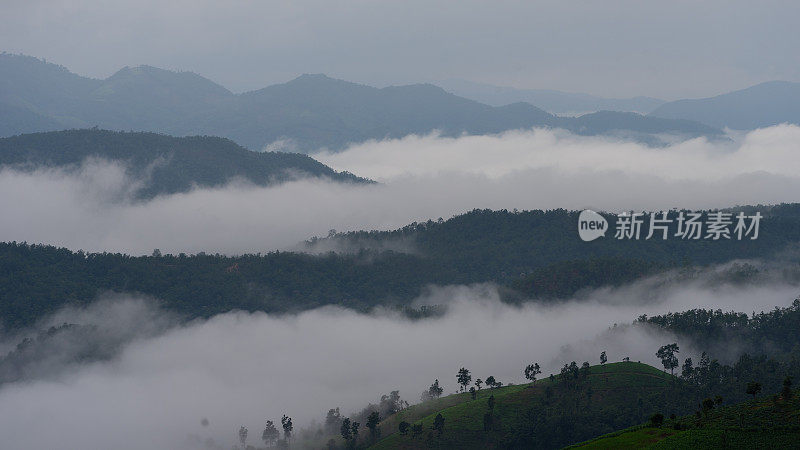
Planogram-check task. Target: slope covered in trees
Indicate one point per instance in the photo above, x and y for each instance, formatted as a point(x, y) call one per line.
point(729, 332)
point(164, 164)
point(305, 114)
point(536, 254)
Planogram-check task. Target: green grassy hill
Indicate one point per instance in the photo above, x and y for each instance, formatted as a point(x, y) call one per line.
point(770, 422)
point(554, 412)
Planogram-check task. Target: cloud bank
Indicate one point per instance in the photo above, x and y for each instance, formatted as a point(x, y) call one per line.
point(422, 178)
point(242, 369)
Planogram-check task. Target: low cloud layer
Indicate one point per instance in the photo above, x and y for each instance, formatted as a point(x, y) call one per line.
point(769, 150)
point(422, 178)
point(242, 369)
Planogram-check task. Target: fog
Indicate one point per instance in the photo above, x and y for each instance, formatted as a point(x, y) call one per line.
point(241, 369)
point(771, 150)
point(422, 177)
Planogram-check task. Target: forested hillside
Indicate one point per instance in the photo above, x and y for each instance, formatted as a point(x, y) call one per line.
point(536, 254)
point(164, 164)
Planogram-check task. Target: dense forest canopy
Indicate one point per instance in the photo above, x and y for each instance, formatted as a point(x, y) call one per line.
point(537, 254)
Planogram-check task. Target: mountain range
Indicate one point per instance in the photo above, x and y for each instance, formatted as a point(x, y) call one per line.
point(556, 102)
point(762, 105)
point(306, 114)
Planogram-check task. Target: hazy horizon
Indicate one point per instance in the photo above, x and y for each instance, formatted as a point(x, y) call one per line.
point(682, 50)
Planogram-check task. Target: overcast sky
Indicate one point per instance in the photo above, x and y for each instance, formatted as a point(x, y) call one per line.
point(667, 49)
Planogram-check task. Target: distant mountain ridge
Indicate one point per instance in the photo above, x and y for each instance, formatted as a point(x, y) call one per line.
point(306, 114)
point(165, 164)
point(762, 105)
point(555, 102)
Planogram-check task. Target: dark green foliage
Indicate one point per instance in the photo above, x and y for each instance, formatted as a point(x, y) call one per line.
point(166, 164)
point(715, 331)
point(786, 390)
point(531, 371)
point(706, 405)
point(434, 391)
point(667, 356)
point(333, 420)
point(346, 429)
point(438, 424)
point(475, 247)
point(286, 422)
point(487, 421)
point(657, 420)
point(463, 377)
point(402, 427)
point(538, 253)
point(753, 388)
point(372, 423)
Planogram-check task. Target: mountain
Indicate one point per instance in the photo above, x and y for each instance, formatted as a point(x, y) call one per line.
point(635, 126)
point(535, 253)
point(316, 111)
point(166, 164)
point(306, 114)
point(16, 120)
point(762, 105)
point(150, 98)
point(556, 102)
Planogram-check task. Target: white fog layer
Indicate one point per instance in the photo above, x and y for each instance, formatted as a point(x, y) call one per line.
point(242, 369)
point(421, 178)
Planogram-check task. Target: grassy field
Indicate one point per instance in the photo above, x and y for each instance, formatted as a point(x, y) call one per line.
point(771, 422)
point(520, 408)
